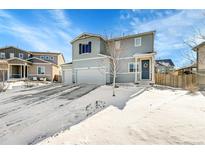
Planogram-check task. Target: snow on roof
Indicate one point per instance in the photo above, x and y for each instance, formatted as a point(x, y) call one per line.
point(165, 62)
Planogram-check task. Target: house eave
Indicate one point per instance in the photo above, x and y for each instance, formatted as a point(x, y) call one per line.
point(144, 54)
point(19, 59)
point(88, 34)
point(132, 36)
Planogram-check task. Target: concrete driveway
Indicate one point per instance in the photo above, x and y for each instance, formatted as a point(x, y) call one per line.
point(28, 116)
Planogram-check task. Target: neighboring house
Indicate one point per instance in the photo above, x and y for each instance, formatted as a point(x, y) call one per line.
point(164, 66)
point(22, 64)
point(200, 50)
point(186, 70)
point(91, 63)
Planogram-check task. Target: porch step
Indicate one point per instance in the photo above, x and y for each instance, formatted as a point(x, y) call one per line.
point(145, 83)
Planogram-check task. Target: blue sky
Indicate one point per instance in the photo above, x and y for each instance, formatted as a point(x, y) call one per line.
point(52, 30)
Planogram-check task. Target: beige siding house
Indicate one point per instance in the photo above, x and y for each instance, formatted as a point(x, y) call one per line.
point(200, 49)
point(20, 64)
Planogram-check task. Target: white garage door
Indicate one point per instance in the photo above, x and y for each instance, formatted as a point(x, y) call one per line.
point(67, 76)
point(91, 76)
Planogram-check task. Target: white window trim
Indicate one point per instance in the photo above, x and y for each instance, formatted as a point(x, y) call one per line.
point(52, 58)
point(20, 55)
point(129, 67)
point(85, 49)
point(140, 44)
point(42, 57)
point(2, 53)
point(11, 56)
point(47, 57)
point(43, 68)
point(150, 70)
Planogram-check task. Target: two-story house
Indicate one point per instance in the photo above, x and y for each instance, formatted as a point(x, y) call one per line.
point(21, 64)
point(200, 64)
point(91, 62)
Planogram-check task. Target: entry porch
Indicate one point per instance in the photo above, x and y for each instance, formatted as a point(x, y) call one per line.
point(145, 68)
point(14, 69)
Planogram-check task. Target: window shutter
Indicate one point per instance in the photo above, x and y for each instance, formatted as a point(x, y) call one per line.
point(80, 50)
point(89, 45)
point(83, 50)
point(86, 48)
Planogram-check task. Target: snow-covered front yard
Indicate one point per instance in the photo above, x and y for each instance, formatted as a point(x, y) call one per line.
point(29, 115)
point(157, 116)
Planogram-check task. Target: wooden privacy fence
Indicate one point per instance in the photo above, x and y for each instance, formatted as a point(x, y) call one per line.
point(179, 81)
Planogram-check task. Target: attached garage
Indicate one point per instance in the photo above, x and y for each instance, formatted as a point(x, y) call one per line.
point(91, 76)
point(67, 76)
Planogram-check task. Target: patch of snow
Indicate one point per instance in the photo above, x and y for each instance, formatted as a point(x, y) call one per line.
point(157, 116)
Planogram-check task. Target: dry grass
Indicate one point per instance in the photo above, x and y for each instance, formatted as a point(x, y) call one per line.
point(192, 88)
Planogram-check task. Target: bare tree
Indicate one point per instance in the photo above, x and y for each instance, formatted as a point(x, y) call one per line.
point(113, 51)
point(190, 55)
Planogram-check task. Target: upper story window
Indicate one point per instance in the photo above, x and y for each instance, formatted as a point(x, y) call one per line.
point(2, 55)
point(21, 55)
point(42, 57)
point(138, 41)
point(131, 67)
point(29, 55)
point(11, 55)
point(47, 57)
point(117, 44)
point(51, 58)
point(85, 48)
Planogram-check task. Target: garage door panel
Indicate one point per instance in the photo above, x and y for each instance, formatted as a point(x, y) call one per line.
point(67, 76)
point(91, 76)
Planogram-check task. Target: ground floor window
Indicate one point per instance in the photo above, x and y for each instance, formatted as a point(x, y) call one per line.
point(131, 67)
point(41, 69)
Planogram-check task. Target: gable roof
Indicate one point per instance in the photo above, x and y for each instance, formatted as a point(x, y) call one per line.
point(165, 62)
point(44, 61)
point(36, 58)
point(198, 46)
point(39, 52)
point(7, 47)
point(52, 53)
point(194, 65)
point(133, 35)
point(16, 58)
point(83, 35)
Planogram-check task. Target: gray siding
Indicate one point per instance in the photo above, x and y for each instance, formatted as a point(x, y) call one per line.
point(128, 49)
point(123, 65)
point(103, 49)
point(16, 52)
point(125, 78)
point(90, 63)
point(95, 48)
point(124, 75)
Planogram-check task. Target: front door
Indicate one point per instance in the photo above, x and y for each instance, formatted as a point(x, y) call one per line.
point(145, 69)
